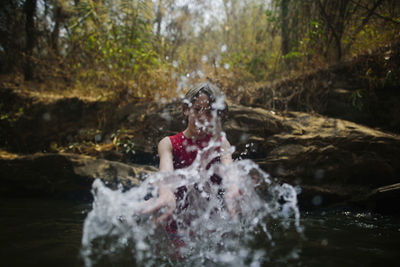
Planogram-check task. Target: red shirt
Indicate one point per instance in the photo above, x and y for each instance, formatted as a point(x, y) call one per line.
point(184, 151)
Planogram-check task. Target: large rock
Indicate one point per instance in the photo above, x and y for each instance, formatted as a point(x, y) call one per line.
point(362, 89)
point(384, 199)
point(63, 175)
point(332, 160)
point(57, 120)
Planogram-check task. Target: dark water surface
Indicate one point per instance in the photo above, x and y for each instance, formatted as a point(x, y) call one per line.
point(41, 232)
point(47, 232)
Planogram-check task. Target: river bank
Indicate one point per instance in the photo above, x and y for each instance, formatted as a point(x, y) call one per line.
point(337, 148)
point(334, 162)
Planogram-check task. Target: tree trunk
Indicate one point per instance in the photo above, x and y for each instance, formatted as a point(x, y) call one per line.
point(335, 24)
point(159, 18)
point(30, 11)
point(158, 21)
point(285, 43)
point(58, 18)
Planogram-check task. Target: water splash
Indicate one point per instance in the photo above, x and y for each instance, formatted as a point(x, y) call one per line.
point(116, 231)
point(201, 231)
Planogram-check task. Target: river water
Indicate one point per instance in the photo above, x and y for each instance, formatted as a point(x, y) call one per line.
point(48, 232)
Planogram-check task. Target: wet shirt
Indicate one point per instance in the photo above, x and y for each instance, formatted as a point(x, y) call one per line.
point(184, 151)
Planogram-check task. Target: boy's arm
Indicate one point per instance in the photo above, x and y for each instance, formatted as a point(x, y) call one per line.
point(226, 154)
point(166, 197)
point(232, 190)
point(165, 154)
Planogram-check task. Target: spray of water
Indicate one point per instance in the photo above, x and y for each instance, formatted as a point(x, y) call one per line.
point(115, 227)
point(117, 232)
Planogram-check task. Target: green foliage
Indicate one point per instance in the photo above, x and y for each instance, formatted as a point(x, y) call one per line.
point(271, 16)
point(115, 44)
point(12, 116)
point(123, 141)
point(142, 49)
point(392, 79)
point(356, 99)
point(292, 55)
point(127, 146)
point(88, 134)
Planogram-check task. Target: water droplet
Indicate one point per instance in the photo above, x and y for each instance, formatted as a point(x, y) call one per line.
point(244, 137)
point(280, 171)
point(200, 73)
point(97, 137)
point(319, 174)
point(224, 48)
point(317, 200)
point(46, 116)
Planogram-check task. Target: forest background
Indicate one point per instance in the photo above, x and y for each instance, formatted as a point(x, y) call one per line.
point(72, 71)
point(85, 85)
point(89, 87)
point(150, 49)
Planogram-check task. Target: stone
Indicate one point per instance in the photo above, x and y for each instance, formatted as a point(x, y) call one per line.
point(64, 175)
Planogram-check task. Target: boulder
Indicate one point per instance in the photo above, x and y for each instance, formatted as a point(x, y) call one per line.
point(384, 199)
point(331, 160)
point(63, 175)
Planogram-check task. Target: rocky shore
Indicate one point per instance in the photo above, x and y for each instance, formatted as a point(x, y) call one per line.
point(335, 163)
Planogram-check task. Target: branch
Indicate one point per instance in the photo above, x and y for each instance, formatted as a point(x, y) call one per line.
point(364, 22)
point(331, 26)
point(376, 14)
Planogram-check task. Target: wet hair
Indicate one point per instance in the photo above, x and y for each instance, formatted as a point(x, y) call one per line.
point(213, 92)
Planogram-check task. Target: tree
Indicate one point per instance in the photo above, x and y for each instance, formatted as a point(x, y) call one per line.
point(30, 11)
point(59, 17)
point(285, 27)
point(12, 32)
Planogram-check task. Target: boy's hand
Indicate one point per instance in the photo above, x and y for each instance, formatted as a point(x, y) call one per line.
point(166, 198)
point(232, 198)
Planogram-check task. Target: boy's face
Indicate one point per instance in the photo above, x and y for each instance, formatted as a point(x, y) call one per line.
point(200, 115)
